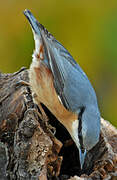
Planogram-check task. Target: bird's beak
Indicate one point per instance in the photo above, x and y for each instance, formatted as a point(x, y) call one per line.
point(82, 156)
point(36, 26)
point(38, 31)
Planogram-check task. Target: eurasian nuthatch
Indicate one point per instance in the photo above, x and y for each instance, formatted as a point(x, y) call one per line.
point(62, 86)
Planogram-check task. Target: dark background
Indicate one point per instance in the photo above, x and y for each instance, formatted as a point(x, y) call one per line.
point(87, 28)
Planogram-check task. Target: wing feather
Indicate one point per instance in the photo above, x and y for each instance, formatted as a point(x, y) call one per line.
point(70, 82)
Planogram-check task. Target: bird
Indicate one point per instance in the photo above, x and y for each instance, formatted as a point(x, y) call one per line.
point(62, 86)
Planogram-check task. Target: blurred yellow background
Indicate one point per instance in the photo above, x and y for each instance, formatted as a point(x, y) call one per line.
point(88, 29)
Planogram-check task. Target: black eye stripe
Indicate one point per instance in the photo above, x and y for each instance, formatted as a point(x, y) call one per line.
point(80, 129)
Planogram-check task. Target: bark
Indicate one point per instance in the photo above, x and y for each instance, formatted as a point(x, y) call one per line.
point(30, 148)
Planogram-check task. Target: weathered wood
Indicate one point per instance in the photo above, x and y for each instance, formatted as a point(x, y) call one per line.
point(30, 149)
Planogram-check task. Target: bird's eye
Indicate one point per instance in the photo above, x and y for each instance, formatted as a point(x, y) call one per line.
point(80, 129)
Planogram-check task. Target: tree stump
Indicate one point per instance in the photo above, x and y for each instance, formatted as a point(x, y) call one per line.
point(34, 145)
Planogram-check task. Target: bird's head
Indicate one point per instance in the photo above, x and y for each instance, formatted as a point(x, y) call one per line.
point(86, 130)
point(40, 33)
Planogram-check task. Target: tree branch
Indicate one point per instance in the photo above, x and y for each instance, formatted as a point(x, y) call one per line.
point(29, 148)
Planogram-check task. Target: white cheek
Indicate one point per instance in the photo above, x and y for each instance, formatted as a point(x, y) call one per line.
point(75, 133)
point(38, 42)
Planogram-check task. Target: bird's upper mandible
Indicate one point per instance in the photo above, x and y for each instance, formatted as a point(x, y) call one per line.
point(73, 89)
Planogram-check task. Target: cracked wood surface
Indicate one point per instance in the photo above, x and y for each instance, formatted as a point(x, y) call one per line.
point(29, 149)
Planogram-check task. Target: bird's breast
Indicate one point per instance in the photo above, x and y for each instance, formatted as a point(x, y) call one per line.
point(41, 80)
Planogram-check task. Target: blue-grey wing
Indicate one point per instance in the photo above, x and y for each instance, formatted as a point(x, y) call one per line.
point(71, 83)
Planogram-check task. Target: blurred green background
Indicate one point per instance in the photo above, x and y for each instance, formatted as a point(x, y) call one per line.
point(88, 29)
